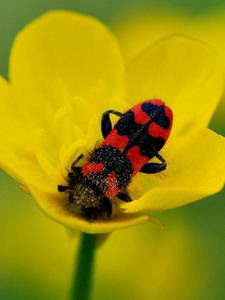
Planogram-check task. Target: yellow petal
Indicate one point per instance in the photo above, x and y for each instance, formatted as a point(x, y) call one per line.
point(54, 205)
point(138, 29)
point(26, 171)
point(13, 132)
point(185, 74)
point(6, 107)
point(196, 169)
point(61, 55)
point(16, 155)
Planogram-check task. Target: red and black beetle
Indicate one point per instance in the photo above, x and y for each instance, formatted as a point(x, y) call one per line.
point(126, 150)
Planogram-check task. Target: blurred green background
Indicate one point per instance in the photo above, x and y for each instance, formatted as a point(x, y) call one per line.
point(183, 261)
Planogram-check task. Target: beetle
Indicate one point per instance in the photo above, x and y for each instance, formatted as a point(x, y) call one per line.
point(136, 138)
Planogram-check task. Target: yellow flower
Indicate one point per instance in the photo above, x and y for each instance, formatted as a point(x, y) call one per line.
point(65, 70)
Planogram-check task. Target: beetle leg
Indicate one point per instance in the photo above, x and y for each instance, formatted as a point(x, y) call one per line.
point(124, 196)
point(152, 168)
point(73, 167)
point(106, 124)
point(75, 171)
point(73, 175)
point(62, 188)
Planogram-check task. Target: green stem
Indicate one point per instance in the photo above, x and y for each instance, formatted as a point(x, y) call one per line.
point(81, 288)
